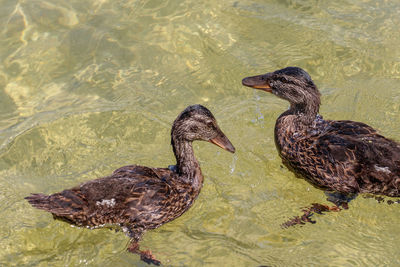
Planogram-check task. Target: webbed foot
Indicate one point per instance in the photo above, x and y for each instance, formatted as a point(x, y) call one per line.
point(145, 256)
point(148, 258)
point(308, 212)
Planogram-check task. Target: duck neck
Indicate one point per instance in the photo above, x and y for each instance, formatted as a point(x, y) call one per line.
point(305, 112)
point(187, 165)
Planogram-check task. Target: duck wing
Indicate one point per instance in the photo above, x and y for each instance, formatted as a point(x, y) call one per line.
point(350, 157)
point(131, 195)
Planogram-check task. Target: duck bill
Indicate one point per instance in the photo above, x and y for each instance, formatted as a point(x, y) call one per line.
point(223, 142)
point(257, 82)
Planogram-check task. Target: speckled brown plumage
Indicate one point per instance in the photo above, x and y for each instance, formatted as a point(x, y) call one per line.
point(342, 156)
point(138, 198)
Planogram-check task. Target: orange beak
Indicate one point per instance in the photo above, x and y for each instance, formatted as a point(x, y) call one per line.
point(257, 82)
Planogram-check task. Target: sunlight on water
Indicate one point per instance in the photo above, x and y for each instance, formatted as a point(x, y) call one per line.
point(89, 86)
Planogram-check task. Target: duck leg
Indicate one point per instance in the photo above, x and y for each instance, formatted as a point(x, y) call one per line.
point(133, 247)
point(340, 200)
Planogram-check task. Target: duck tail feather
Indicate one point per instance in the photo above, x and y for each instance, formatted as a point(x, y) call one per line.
point(60, 204)
point(40, 201)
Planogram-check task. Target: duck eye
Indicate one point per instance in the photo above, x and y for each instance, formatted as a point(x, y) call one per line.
point(210, 124)
point(283, 79)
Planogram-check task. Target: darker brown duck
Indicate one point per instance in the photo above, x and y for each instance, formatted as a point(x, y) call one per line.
point(342, 156)
point(138, 198)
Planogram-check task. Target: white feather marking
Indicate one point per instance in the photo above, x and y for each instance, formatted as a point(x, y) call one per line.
point(382, 169)
point(106, 202)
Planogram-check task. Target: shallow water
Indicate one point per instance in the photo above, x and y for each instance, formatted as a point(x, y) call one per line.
point(89, 86)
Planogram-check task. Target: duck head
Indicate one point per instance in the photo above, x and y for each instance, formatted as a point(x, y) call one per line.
point(196, 122)
point(292, 84)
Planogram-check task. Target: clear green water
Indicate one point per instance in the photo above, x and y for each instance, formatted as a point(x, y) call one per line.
point(88, 86)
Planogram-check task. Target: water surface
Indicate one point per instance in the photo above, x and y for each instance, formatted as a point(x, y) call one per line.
point(89, 86)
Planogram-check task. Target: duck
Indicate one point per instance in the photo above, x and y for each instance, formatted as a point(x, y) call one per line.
point(137, 198)
point(340, 156)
